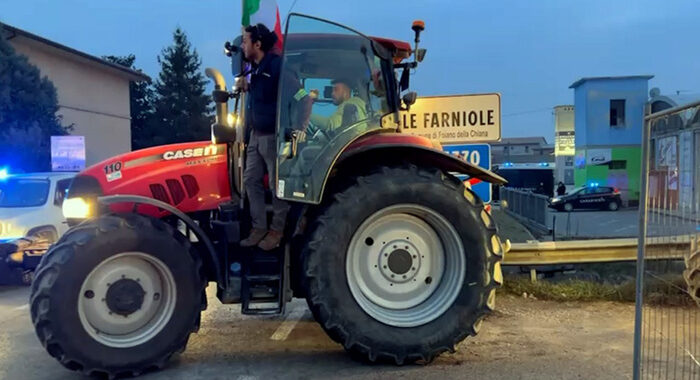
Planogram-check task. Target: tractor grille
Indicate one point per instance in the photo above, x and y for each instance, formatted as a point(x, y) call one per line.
point(159, 192)
point(190, 185)
point(175, 190)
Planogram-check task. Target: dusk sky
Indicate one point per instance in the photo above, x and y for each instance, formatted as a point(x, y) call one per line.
point(529, 51)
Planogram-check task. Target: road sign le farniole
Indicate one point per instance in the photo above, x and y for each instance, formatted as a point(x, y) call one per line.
point(455, 119)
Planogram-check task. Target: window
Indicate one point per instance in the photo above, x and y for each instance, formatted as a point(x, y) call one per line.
point(617, 112)
point(21, 192)
point(356, 88)
point(617, 165)
point(568, 176)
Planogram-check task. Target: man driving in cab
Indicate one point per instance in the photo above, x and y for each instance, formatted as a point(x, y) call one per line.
point(343, 98)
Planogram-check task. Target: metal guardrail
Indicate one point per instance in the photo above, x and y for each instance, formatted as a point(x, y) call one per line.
point(527, 205)
point(597, 251)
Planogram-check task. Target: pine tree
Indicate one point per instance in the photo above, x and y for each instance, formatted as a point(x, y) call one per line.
point(28, 119)
point(141, 96)
point(182, 111)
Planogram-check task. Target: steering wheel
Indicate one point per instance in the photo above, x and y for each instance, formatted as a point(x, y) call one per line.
point(318, 133)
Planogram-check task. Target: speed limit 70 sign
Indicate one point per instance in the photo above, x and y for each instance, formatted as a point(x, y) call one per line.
point(478, 155)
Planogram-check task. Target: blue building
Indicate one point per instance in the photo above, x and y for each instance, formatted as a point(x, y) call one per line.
point(609, 115)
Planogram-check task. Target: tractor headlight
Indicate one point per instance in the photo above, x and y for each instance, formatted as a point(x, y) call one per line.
point(76, 208)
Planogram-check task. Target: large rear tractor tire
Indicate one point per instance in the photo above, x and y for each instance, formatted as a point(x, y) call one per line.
point(118, 296)
point(692, 275)
point(402, 265)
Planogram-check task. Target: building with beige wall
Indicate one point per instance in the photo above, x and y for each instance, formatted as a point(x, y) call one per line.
point(93, 94)
point(564, 144)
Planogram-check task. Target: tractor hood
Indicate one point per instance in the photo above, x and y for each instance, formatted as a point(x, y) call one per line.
point(190, 176)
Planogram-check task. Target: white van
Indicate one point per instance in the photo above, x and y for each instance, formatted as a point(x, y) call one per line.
point(30, 205)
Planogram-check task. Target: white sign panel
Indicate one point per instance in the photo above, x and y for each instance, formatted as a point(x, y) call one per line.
point(598, 156)
point(67, 153)
point(455, 119)
point(666, 152)
point(686, 167)
point(564, 144)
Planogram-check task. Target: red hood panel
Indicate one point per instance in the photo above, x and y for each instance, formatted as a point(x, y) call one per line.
point(190, 176)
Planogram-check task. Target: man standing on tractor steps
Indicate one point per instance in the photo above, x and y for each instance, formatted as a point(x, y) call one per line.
point(261, 152)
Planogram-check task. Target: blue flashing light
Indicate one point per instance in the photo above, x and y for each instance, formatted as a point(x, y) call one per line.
point(507, 164)
point(544, 164)
point(8, 239)
point(593, 184)
point(4, 174)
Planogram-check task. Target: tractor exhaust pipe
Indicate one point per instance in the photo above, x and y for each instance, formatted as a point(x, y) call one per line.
point(220, 95)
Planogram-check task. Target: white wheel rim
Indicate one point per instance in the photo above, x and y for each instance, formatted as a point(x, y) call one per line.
point(113, 329)
point(405, 265)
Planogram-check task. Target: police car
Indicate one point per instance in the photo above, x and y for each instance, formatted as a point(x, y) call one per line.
point(588, 197)
point(30, 219)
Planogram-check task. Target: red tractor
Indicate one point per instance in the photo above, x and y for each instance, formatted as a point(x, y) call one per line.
point(396, 257)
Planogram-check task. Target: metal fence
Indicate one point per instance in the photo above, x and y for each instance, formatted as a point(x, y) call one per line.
point(527, 205)
point(667, 315)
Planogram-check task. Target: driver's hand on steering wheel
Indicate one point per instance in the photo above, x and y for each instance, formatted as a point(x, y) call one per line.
point(311, 129)
point(299, 135)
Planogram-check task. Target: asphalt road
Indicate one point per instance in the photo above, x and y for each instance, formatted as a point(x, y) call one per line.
point(618, 224)
point(524, 339)
point(603, 224)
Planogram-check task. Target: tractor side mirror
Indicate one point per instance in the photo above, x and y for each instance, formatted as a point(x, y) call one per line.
point(409, 99)
point(233, 50)
point(420, 54)
point(405, 79)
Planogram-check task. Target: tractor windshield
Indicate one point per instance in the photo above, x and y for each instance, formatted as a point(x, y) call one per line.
point(334, 89)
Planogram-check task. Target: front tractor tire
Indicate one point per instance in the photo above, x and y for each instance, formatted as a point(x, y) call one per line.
point(402, 265)
point(118, 295)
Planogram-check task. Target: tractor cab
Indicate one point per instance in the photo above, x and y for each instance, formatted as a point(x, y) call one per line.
point(325, 58)
point(314, 124)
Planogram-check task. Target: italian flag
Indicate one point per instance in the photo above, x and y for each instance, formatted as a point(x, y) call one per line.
point(265, 12)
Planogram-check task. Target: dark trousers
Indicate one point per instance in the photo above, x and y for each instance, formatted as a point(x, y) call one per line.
point(261, 153)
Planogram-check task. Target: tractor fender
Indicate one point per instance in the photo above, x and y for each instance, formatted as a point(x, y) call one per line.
point(201, 235)
point(368, 155)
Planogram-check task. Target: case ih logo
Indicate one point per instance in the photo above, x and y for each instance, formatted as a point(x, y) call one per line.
point(210, 150)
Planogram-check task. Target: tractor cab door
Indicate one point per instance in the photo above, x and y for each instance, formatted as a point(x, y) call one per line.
point(332, 88)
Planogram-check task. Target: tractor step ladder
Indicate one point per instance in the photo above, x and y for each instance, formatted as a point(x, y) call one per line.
point(263, 285)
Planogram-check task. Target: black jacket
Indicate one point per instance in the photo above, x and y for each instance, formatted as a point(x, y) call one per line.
point(261, 107)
